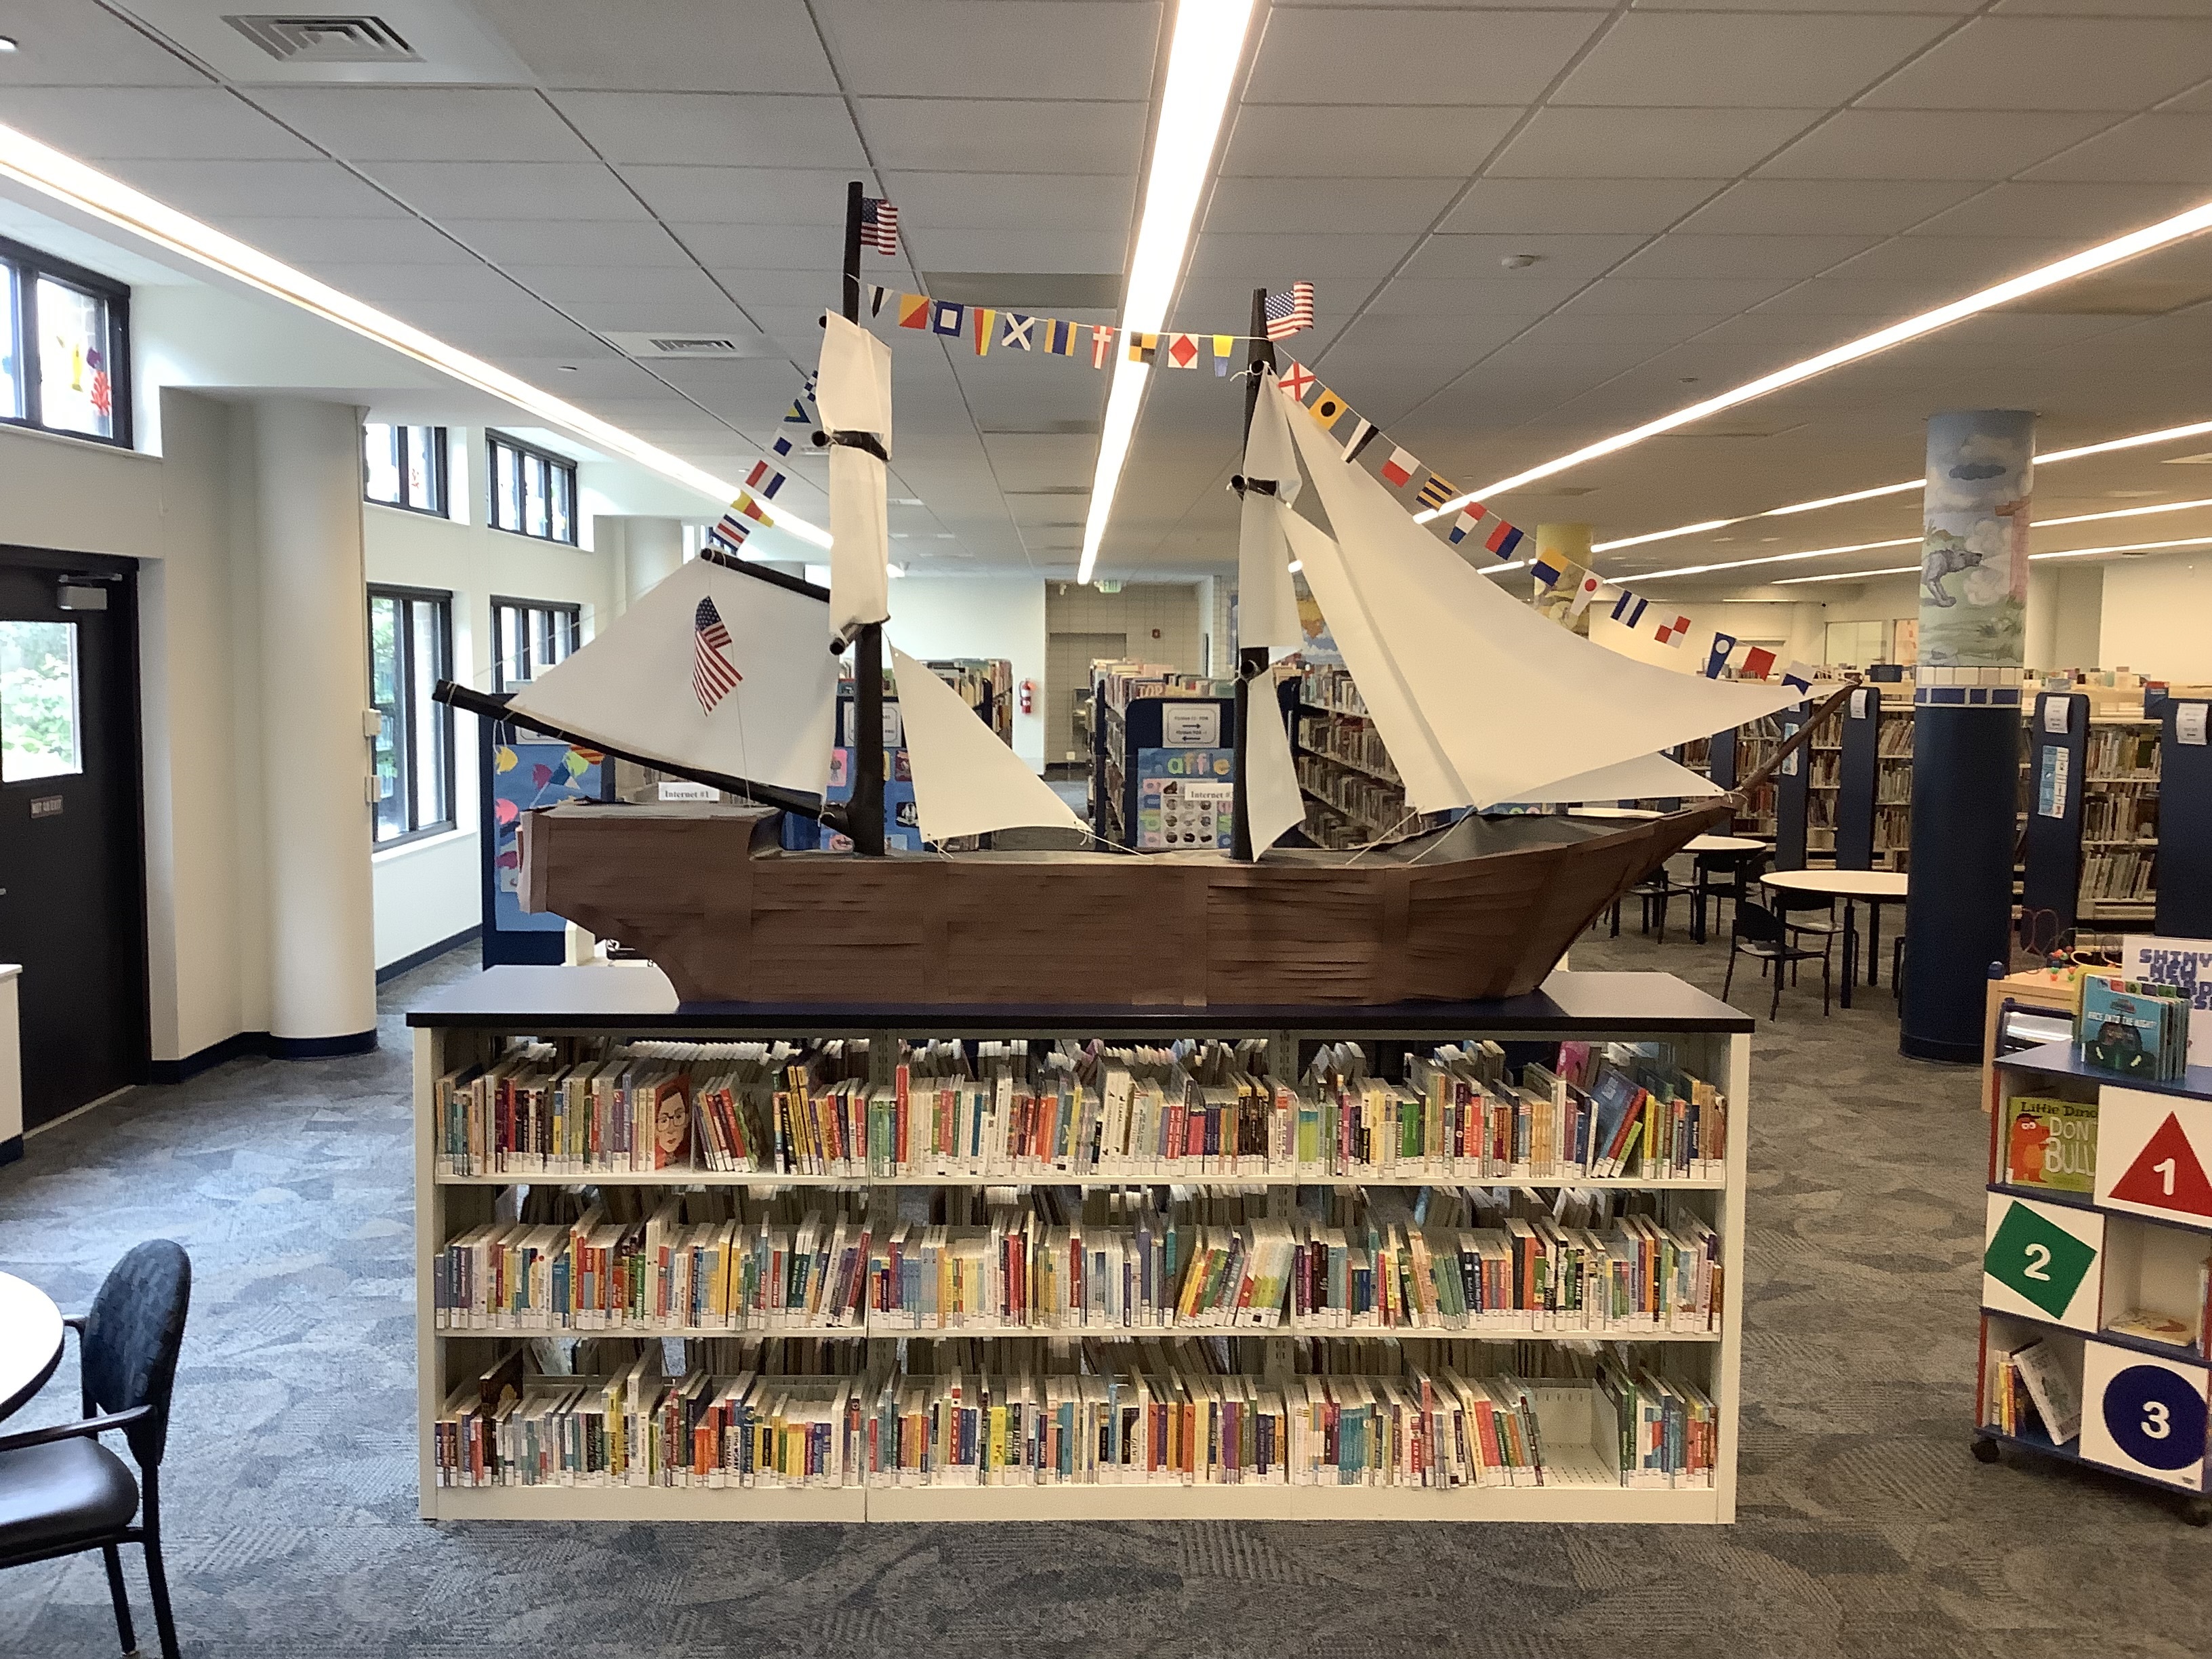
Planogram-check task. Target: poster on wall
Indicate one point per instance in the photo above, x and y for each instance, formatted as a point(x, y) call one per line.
point(528, 773)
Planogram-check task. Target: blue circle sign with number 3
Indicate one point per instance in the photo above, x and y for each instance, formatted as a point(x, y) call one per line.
point(2155, 1417)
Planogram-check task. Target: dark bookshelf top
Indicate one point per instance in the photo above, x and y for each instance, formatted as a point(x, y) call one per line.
point(2061, 1060)
point(539, 999)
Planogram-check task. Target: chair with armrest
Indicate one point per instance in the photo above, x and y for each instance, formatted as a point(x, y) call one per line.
point(1756, 931)
point(62, 1492)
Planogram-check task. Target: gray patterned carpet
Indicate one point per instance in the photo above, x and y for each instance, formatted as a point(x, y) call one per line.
point(1866, 1527)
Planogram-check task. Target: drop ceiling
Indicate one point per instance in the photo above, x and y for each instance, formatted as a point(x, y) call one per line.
point(1709, 191)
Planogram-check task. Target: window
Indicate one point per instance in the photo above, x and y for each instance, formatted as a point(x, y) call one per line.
point(533, 636)
point(533, 493)
point(404, 466)
point(411, 648)
point(38, 701)
point(64, 348)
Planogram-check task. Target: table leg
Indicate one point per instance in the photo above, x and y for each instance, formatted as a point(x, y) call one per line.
point(1851, 948)
point(1873, 941)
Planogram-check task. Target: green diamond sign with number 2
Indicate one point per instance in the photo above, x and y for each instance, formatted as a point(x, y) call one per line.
point(2039, 1257)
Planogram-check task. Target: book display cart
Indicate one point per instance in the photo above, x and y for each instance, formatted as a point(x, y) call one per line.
point(574, 1014)
point(2094, 1270)
point(1165, 766)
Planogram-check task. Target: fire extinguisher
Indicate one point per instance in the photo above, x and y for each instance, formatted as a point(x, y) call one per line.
point(1029, 696)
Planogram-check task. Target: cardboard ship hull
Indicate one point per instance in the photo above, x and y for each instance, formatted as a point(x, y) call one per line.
point(708, 896)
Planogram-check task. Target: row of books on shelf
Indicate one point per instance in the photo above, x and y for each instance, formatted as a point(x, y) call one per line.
point(2032, 1386)
point(1374, 806)
point(2125, 875)
point(1323, 685)
point(1311, 1259)
point(1192, 1111)
point(1117, 1414)
point(2121, 751)
point(2129, 815)
point(2134, 1027)
point(1893, 739)
point(1352, 741)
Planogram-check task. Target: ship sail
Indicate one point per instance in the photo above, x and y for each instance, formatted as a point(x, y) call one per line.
point(634, 689)
point(966, 782)
point(853, 390)
point(1511, 701)
point(1267, 604)
point(1272, 806)
point(1648, 777)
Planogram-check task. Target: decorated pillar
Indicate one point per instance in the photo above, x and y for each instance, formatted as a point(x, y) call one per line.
point(1966, 751)
point(1564, 547)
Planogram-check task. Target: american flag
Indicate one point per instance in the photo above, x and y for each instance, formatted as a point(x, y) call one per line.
point(879, 224)
point(713, 675)
point(1290, 313)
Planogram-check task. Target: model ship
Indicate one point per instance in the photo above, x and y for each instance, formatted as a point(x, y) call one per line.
point(727, 672)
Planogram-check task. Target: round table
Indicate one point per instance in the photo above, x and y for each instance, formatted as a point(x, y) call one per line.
point(30, 1341)
point(1721, 844)
point(1726, 847)
point(1612, 812)
point(1872, 888)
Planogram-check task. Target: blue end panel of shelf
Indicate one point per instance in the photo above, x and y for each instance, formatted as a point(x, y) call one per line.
point(2056, 763)
point(1858, 778)
point(2063, 1060)
point(1792, 789)
point(1720, 759)
point(2184, 821)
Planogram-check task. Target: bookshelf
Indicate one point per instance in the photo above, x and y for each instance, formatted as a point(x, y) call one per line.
point(575, 1012)
point(2120, 781)
point(1353, 793)
point(1165, 766)
point(2051, 840)
point(1736, 754)
point(2085, 1232)
point(2184, 904)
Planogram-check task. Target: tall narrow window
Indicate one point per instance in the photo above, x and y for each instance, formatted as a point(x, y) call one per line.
point(411, 648)
point(533, 491)
point(64, 347)
point(404, 466)
point(38, 701)
point(533, 636)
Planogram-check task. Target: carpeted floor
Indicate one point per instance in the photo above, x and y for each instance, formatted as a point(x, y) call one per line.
point(1866, 1527)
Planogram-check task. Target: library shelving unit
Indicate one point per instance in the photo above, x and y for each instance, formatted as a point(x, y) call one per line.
point(1165, 768)
point(578, 1010)
point(2051, 840)
point(1793, 795)
point(2120, 817)
point(2184, 852)
point(2062, 1266)
point(1353, 793)
point(1824, 788)
point(1736, 754)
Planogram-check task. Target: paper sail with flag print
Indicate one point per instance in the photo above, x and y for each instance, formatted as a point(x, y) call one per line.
point(713, 677)
point(1757, 663)
point(1289, 311)
point(1716, 654)
point(879, 225)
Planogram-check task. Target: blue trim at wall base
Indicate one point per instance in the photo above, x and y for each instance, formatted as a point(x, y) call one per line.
point(415, 959)
point(259, 1045)
point(11, 1149)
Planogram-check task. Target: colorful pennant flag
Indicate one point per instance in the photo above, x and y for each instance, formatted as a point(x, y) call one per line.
point(730, 530)
point(1142, 347)
point(1362, 434)
point(764, 478)
point(947, 317)
point(1182, 351)
point(1461, 525)
point(1224, 347)
point(1716, 654)
point(1015, 331)
point(1399, 469)
point(1671, 633)
point(1060, 338)
point(751, 508)
point(877, 295)
point(1296, 381)
point(1435, 493)
point(1503, 540)
point(1327, 408)
point(1757, 663)
point(1548, 569)
point(1585, 590)
point(1101, 344)
point(1289, 312)
point(913, 311)
point(1628, 610)
point(984, 316)
point(1799, 675)
point(879, 224)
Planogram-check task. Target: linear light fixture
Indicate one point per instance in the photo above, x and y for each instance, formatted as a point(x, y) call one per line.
point(1848, 575)
point(2138, 440)
point(1499, 570)
point(2061, 553)
point(1209, 40)
point(2135, 242)
point(68, 180)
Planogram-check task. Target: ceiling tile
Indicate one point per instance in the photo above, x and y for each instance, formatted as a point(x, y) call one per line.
point(818, 246)
point(2155, 148)
point(1629, 296)
point(2088, 213)
point(1738, 60)
point(1577, 206)
point(1376, 141)
point(744, 196)
point(2053, 63)
point(671, 45)
point(186, 125)
point(508, 190)
point(426, 123)
point(316, 244)
point(1275, 259)
point(1683, 255)
point(1460, 296)
point(633, 243)
point(213, 190)
point(1804, 207)
point(751, 129)
point(1975, 144)
point(658, 286)
point(1558, 259)
point(988, 48)
point(1967, 263)
point(976, 201)
point(1308, 204)
point(66, 42)
point(1647, 143)
point(949, 247)
point(1398, 57)
point(1004, 135)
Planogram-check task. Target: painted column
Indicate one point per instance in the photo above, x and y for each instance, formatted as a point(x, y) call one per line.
point(315, 755)
point(1965, 754)
point(1567, 545)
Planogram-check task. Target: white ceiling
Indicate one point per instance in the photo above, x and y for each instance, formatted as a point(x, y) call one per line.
point(1713, 188)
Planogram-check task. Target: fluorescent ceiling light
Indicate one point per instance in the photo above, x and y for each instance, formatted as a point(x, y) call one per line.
point(1770, 558)
point(1209, 40)
point(2181, 225)
point(2125, 547)
point(1849, 576)
point(2121, 512)
point(1498, 569)
point(70, 180)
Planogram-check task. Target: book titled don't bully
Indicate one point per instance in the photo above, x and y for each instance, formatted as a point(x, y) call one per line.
point(2051, 1142)
point(2134, 1028)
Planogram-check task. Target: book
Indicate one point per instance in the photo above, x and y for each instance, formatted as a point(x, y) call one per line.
point(2055, 1388)
point(2151, 1326)
point(2133, 1028)
point(2050, 1143)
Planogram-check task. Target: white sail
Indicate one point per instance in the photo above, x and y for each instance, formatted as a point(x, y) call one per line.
point(853, 390)
point(1431, 785)
point(1648, 777)
point(965, 781)
point(1513, 700)
point(1272, 806)
point(1267, 604)
point(632, 687)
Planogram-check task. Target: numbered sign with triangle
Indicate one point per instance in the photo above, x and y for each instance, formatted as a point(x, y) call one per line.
point(2043, 1262)
point(2153, 1151)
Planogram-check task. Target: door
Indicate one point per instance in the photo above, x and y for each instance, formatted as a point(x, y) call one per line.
point(1067, 661)
point(72, 899)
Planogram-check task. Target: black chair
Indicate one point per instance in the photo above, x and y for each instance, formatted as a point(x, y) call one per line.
point(1809, 914)
point(1720, 876)
point(1656, 890)
point(1758, 932)
point(62, 1492)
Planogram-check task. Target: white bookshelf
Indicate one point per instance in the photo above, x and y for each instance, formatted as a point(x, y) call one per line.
point(1710, 1040)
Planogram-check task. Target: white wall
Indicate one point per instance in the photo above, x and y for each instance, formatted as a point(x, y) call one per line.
point(2156, 617)
point(979, 616)
point(431, 889)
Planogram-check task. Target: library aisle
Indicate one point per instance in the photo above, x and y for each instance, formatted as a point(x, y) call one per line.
point(1864, 1528)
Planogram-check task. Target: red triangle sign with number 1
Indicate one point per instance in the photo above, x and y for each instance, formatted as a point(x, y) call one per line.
point(2165, 1174)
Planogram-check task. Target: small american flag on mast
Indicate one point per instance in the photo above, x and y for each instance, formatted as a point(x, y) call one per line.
point(879, 224)
point(1290, 312)
point(713, 675)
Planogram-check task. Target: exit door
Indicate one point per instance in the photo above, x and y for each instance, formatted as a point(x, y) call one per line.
point(72, 895)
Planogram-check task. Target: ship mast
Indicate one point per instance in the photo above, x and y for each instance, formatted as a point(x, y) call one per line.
point(1251, 660)
point(865, 818)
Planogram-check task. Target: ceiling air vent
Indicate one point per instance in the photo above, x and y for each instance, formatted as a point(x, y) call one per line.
point(354, 38)
point(647, 343)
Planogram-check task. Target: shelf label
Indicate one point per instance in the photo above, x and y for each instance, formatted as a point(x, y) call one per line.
point(2143, 1414)
point(2055, 713)
point(1190, 725)
point(2151, 1154)
point(1859, 700)
point(2189, 723)
point(2039, 1261)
